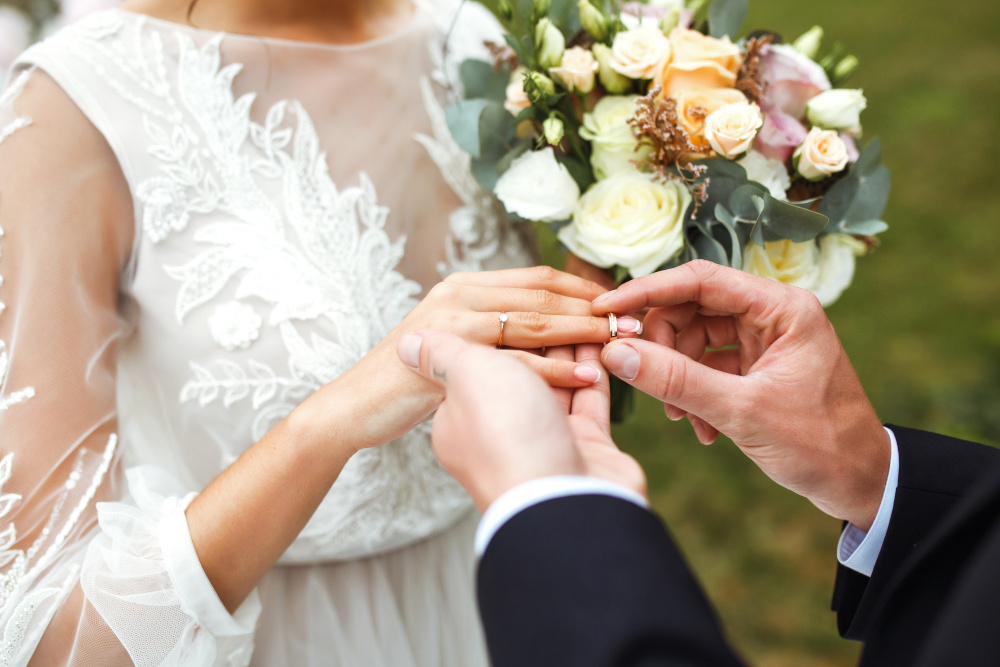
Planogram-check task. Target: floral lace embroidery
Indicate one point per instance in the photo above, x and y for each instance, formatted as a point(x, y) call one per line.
point(235, 325)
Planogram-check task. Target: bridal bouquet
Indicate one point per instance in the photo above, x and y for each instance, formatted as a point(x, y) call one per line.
point(651, 134)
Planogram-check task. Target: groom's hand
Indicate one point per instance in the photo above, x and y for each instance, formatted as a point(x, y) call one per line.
point(760, 362)
point(501, 425)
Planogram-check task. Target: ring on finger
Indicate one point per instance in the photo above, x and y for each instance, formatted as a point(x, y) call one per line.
point(503, 322)
point(613, 323)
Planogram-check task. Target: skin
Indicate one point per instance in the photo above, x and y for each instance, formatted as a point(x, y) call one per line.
point(492, 436)
point(759, 362)
point(247, 517)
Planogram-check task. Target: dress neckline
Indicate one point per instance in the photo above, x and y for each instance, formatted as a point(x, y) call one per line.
point(411, 25)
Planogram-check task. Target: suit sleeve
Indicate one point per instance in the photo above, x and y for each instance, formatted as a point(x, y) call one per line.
point(936, 473)
point(594, 581)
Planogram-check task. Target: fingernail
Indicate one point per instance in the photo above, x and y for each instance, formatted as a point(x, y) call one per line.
point(623, 361)
point(701, 431)
point(408, 350)
point(629, 325)
point(605, 296)
point(675, 414)
point(586, 374)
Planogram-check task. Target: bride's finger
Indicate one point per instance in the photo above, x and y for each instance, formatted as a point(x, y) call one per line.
point(558, 372)
point(516, 299)
point(563, 353)
point(532, 330)
point(536, 277)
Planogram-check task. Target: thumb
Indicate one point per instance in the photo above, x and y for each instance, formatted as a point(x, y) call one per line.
point(673, 378)
point(430, 353)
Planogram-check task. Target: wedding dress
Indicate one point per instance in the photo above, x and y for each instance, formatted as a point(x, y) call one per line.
point(202, 229)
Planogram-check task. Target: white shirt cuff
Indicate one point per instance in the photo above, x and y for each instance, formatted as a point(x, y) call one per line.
point(859, 550)
point(537, 491)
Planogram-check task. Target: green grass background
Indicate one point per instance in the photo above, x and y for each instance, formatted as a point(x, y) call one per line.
point(921, 321)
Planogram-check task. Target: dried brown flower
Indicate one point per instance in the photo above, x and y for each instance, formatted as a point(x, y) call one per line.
point(750, 81)
point(655, 124)
point(502, 55)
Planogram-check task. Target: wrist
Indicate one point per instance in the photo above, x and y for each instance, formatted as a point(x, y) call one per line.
point(871, 456)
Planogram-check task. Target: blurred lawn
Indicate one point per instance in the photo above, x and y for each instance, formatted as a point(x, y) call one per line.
point(920, 322)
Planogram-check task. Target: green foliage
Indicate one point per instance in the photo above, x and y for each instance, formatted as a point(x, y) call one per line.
point(726, 17)
point(480, 80)
point(856, 203)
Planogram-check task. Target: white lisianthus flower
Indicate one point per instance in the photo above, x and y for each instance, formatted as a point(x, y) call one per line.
point(822, 154)
point(769, 173)
point(824, 267)
point(641, 53)
point(577, 71)
point(630, 220)
point(537, 187)
point(614, 145)
point(838, 109)
point(731, 129)
point(15, 37)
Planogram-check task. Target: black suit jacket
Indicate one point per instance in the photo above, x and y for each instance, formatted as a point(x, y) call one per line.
point(597, 581)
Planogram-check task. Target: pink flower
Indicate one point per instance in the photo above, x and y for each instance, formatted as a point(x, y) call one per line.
point(780, 136)
point(792, 80)
point(852, 147)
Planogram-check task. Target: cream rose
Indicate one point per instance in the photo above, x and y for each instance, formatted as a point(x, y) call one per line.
point(517, 100)
point(699, 61)
point(837, 109)
point(695, 106)
point(731, 129)
point(536, 187)
point(577, 71)
point(824, 267)
point(640, 53)
point(614, 145)
point(769, 173)
point(629, 220)
point(822, 154)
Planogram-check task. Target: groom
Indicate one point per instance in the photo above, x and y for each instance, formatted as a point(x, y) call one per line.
point(576, 571)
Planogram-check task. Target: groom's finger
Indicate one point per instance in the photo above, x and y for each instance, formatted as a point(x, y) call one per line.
point(715, 287)
point(593, 401)
point(673, 378)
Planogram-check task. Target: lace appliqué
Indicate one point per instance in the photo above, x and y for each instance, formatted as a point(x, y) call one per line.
point(235, 325)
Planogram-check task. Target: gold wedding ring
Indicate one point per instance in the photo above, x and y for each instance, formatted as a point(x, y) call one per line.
point(503, 322)
point(613, 323)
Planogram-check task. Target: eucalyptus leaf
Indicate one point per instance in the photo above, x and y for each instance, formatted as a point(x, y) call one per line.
point(485, 172)
point(757, 234)
point(782, 220)
point(866, 228)
point(735, 244)
point(869, 160)
point(496, 130)
point(480, 80)
point(710, 249)
point(726, 17)
point(526, 113)
point(862, 196)
point(722, 214)
point(519, 149)
point(463, 122)
point(581, 173)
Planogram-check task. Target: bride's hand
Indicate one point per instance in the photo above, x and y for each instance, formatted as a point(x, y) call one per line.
point(545, 308)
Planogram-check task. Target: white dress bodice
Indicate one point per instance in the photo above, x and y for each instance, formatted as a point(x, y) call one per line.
point(287, 219)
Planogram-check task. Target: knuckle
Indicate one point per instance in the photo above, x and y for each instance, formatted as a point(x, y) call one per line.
point(445, 291)
point(534, 323)
point(545, 274)
point(456, 277)
point(545, 301)
point(669, 381)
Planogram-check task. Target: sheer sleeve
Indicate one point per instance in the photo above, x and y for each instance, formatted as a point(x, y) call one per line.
point(96, 564)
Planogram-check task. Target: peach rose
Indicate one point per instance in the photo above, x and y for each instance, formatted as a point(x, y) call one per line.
point(695, 106)
point(731, 129)
point(822, 154)
point(640, 53)
point(699, 61)
point(576, 73)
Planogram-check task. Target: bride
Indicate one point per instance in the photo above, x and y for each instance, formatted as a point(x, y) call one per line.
point(209, 452)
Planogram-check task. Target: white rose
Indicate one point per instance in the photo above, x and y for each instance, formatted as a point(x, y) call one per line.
point(614, 145)
point(517, 100)
point(15, 36)
point(824, 267)
point(837, 109)
point(822, 154)
point(630, 220)
point(536, 187)
point(731, 129)
point(641, 53)
point(577, 71)
point(769, 173)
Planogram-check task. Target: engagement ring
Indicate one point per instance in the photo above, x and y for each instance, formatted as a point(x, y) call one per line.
point(503, 321)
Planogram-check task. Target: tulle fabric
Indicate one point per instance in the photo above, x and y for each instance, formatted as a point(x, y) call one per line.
point(151, 329)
